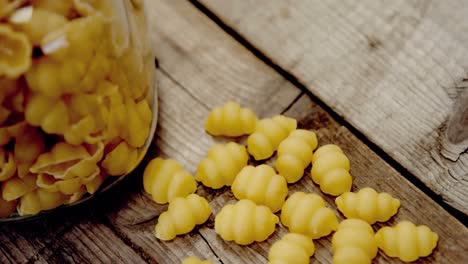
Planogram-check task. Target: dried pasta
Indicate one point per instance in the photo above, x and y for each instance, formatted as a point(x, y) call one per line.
point(194, 260)
point(291, 248)
point(230, 120)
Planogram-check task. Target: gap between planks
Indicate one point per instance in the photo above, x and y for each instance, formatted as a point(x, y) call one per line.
point(291, 78)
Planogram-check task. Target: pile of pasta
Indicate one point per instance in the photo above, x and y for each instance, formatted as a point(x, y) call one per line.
point(74, 99)
point(262, 192)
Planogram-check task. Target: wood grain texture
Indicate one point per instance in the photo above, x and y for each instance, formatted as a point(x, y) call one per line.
point(391, 69)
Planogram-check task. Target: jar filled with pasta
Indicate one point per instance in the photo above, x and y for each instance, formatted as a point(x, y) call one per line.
point(77, 100)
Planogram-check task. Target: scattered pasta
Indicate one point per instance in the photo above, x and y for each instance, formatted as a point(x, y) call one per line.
point(166, 180)
point(268, 134)
point(261, 185)
point(330, 170)
point(182, 216)
point(306, 213)
point(406, 241)
point(221, 165)
point(194, 260)
point(354, 243)
point(368, 205)
point(245, 222)
point(295, 154)
point(230, 120)
point(292, 248)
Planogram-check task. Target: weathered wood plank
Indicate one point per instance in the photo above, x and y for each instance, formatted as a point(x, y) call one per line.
point(391, 69)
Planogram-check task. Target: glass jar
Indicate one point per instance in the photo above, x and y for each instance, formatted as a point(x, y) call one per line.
point(78, 104)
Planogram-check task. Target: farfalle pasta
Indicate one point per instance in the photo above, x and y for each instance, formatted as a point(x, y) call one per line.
point(330, 170)
point(295, 154)
point(230, 120)
point(182, 215)
point(306, 213)
point(73, 110)
point(261, 185)
point(221, 165)
point(245, 222)
point(368, 205)
point(268, 134)
point(166, 180)
point(291, 248)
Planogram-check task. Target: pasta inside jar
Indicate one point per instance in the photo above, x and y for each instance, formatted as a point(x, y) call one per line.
point(77, 100)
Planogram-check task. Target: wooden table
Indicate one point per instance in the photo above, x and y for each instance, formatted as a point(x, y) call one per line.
point(380, 79)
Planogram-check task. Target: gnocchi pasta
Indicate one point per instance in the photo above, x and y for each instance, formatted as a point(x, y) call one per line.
point(166, 180)
point(306, 213)
point(330, 170)
point(183, 214)
point(291, 248)
point(230, 120)
point(245, 222)
point(268, 134)
point(295, 154)
point(354, 243)
point(221, 165)
point(261, 185)
point(368, 205)
point(406, 241)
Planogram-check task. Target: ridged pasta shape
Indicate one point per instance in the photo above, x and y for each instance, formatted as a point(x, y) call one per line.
point(261, 185)
point(330, 170)
point(122, 159)
point(221, 165)
point(407, 241)
point(368, 205)
point(181, 217)
point(306, 213)
point(63, 8)
point(231, 120)
point(40, 200)
point(194, 260)
point(166, 180)
point(245, 222)
point(295, 154)
point(7, 208)
point(7, 165)
point(16, 187)
point(354, 243)
point(292, 248)
point(15, 52)
point(50, 114)
point(268, 134)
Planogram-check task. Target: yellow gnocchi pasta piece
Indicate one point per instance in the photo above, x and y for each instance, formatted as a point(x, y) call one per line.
point(15, 52)
point(407, 241)
point(16, 187)
point(306, 213)
point(40, 200)
point(68, 187)
point(261, 185)
point(7, 165)
point(268, 134)
point(221, 165)
point(245, 222)
point(6, 208)
point(230, 120)
point(354, 243)
point(166, 180)
point(36, 22)
point(139, 120)
point(330, 170)
point(295, 154)
point(291, 248)
point(194, 260)
point(122, 159)
point(183, 214)
point(368, 205)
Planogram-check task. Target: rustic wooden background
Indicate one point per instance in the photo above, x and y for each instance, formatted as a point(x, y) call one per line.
point(384, 80)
